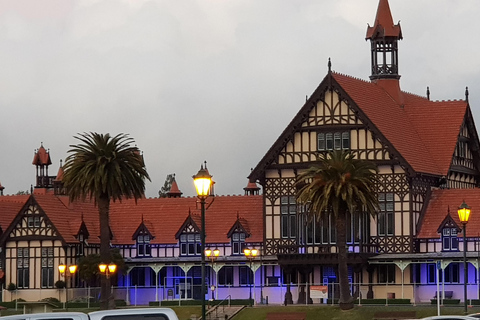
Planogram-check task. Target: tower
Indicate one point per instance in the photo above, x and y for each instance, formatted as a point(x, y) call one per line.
point(384, 36)
point(42, 160)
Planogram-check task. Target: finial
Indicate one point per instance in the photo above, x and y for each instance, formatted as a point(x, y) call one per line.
point(466, 94)
point(428, 93)
point(306, 98)
point(205, 164)
point(31, 189)
point(329, 65)
point(61, 163)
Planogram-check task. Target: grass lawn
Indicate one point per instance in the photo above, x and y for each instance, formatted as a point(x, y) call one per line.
point(313, 312)
point(334, 313)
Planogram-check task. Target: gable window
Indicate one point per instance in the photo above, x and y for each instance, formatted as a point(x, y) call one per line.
point(238, 242)
point(288, 208)
point(333, 140)
point(190, 244)
point(33, 222)
point(449, 239)
point(385, 217)
point(143, 245)
point(47, 268)
point(23, 267)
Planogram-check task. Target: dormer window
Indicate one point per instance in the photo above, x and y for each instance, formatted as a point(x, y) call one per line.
point(449, 239)
point(238, 242)
point(143, 246)
point(190, 244)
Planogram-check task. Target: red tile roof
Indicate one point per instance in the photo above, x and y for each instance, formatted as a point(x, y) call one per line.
point(9, 207)
point(414, 126)
point(383, 25)
point(162, 216)
point(443, 200)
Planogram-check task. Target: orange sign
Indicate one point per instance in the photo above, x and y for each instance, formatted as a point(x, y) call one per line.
point(319, 292)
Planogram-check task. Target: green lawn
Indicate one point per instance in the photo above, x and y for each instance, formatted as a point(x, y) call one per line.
point(313, 312)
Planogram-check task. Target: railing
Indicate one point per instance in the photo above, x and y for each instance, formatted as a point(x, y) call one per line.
point(215, 308)
point(326, 249)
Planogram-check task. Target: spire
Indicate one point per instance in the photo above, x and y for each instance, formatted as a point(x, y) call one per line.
point(174, 191)
point(384, 36)
point(252, 188)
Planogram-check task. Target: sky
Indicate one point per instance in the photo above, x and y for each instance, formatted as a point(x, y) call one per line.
point(203, 80)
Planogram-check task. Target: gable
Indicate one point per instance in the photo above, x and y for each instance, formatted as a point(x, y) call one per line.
point(32, 222)
point(329, 111)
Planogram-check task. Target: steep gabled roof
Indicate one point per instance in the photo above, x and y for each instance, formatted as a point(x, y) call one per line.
point(411, 126)
point(440, 202)
point(10, 206)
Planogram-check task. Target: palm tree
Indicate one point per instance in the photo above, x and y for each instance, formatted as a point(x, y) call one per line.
point(103, 168)
point(339, 184)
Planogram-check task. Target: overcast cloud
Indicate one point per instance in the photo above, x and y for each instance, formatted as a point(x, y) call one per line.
point(214, 80)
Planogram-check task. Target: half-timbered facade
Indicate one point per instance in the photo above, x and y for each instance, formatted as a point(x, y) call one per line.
point(419, 146)
point(427, 155)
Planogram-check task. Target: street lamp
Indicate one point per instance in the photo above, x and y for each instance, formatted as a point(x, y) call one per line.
point(107, 269)
point(463, 215)
point(62, 268)
point(250, 254)
point(202, 181)
point(213, 255)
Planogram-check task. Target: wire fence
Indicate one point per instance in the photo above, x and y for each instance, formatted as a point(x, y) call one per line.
point(317, 293)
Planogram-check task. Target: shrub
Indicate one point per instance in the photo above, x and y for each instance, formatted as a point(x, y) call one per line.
point(60, 284)
point(11, 286)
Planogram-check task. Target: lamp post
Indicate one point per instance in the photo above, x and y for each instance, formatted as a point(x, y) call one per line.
point(463, 215)
point(213, 255)
point(202, 181)
point(107, 270)
point(250, 254)
point(62, 268)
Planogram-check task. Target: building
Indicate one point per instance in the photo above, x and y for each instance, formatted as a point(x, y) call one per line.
point(427, 169)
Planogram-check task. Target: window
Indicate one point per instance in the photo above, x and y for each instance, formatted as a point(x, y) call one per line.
point(23, 267)
point(386, 273)
point(47, 267)
point(238, 243)
point(33, 222)
point(431, 273)
point(143, 277)
point(385, 217)
point(225, 276)
point(143, 245)
point(246, 276)
point(288, 208)
point(452, 273)
point(190, 244)
point(449, 239)
point(333, 140)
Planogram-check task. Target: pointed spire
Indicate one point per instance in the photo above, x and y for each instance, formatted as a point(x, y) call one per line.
point(41, 157)
point(174, 190)
point(383, 25)
point(59, 176)
point(252, 188)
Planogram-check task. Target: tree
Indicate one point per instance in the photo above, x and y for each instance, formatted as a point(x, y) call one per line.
point(88, 267)
point(166, 186)
point(104, 168)
point(339, 184)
